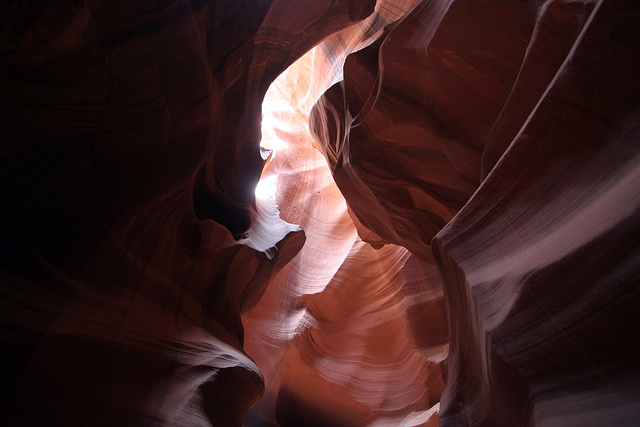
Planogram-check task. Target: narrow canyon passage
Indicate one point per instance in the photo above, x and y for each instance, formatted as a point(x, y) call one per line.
point(343, 324)
point(320, 213)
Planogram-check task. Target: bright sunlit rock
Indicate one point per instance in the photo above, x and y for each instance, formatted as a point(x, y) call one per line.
point(266, 188)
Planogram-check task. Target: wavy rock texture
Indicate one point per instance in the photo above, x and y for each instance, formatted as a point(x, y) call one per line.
point(130, 153)
point(556, 298)
point(533, 110)
point(481, 269)
point(331, 334)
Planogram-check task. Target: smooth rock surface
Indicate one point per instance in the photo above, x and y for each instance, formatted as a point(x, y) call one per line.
point(502, 138)
point(130, 152)
point(475, 262)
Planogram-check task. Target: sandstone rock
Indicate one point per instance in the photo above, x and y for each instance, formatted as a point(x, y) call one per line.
point(475, 261)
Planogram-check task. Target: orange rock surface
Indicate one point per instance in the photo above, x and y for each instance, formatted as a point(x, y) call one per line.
point(445, 230)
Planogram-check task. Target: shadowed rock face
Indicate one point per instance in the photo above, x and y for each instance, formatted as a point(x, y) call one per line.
point(485, 206)
point(533, 110)
point(130, 135)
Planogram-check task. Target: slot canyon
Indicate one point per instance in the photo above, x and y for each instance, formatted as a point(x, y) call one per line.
point(268, 213)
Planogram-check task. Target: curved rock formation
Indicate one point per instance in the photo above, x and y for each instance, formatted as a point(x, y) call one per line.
point(127, 128)
point(533, 109)
point(475, 261)
point(332, 330)
point(550, 307)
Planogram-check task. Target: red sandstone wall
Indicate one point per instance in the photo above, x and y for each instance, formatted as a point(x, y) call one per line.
point(488, 155)
point(502, 137)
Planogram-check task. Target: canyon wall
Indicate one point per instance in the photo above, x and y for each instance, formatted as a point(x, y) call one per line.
point(130, 154)
point(500, 140)
point(475, 261)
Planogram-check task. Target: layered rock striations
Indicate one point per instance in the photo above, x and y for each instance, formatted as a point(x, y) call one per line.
point(533, 110)
point(130, 153)
point(331, 335)
point(551, 303)
point(475, 261)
